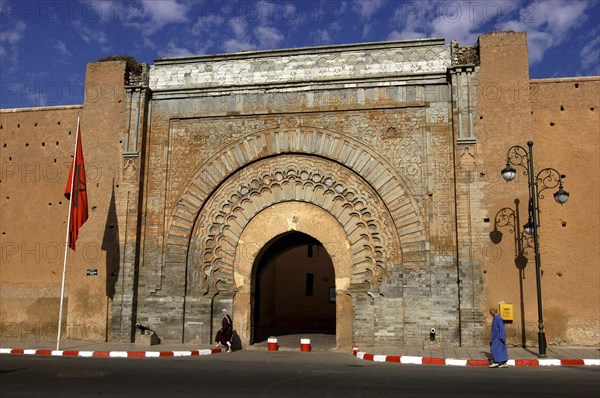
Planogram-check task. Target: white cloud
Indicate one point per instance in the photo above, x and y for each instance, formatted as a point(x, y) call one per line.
point(590, 55)
point(61, 47)
point(241, 40)
point(322, 36)
point(235, 45)
point(263, 12)
point(104, 9)
point(268, 37)
point(547, 23)
point(261, 37)
point(90, 35)
point(239, 26)
point(14, 35)
point(462, 21)
point(163, 12)
point(406, 34)
point(462, 30)
point(149, 16)
point(173, 50)
point(207, 23)
point(557, 16)
point(10, 40)
point(292, 16)
point(366, 8)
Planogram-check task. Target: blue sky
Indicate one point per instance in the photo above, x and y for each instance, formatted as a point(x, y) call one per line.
point(45, 44)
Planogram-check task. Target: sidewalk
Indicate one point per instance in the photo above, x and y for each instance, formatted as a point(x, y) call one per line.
point(457, 356)
point(102, 349)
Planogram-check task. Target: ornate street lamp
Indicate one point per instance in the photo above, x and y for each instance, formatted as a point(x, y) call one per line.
point(547, 178)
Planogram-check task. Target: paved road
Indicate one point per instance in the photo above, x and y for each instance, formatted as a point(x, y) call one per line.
point(281, 374)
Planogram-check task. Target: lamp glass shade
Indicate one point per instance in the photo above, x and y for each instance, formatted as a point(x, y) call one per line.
point(528, 228)
point(509, 173)
point(561, 196)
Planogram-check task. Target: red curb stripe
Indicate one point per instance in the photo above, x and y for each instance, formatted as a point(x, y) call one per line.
point(526, 362)
point(195, 353)
point(572, 362)
point(136, 354)
point(43, 352)
point(392, 358)
point(101, 354)
point(478, 362)
point(70, 353)
point(215, 350)
point(368, 357)
point(166, 353)
point(434, 361)
point(17, 351)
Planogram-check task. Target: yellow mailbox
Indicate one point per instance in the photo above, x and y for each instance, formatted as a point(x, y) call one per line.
point(506, 312)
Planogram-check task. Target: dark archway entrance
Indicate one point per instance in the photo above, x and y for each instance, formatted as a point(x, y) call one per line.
point(294, 288)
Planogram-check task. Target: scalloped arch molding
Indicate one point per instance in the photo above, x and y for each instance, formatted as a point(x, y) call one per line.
point(374, 179)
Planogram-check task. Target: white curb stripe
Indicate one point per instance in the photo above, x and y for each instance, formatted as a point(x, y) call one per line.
point(118, 354)
point(456, 362)
point(549, 362)
point(205, 352)
point(511, 362)
point(86, 354)
point(182, 353)
point(409, 359)
point(30, 351)
point(152, 354)
point(595, 362)
point(5, 350)
point(57, 353)
point(379, 358)
point(360, 355)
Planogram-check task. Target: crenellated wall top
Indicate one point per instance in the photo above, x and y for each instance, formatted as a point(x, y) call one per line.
point(302, 66)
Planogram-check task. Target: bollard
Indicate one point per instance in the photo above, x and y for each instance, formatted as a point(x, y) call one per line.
point(272, 344)
point(305, 345)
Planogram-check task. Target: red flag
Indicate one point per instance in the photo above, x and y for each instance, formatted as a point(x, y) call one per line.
point(78, 196)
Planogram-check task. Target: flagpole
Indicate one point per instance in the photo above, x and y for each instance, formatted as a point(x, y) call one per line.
point(62, 287)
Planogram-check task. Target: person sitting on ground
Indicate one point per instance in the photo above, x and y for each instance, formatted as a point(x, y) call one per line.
point(498, 343)
point(224, 334)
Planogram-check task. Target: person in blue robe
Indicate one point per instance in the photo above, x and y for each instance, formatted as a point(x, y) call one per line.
point(498, 343)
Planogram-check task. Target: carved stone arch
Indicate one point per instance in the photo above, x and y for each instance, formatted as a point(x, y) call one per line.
point(366, 221)
point(308, 219)
point(376, 171)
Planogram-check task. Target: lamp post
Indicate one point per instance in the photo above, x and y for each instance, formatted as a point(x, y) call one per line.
point(547, 178)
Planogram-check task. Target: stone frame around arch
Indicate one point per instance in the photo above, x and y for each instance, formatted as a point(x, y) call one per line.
point(281, 218)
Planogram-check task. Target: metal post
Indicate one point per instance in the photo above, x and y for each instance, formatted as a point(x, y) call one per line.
point(533, 200)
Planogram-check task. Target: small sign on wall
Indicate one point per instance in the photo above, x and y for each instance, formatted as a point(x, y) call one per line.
point(506, 312)
point(332, 294)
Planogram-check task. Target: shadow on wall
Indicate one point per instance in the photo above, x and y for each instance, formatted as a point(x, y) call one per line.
point(110, 244)
point(523, 244)
point(236, 341)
